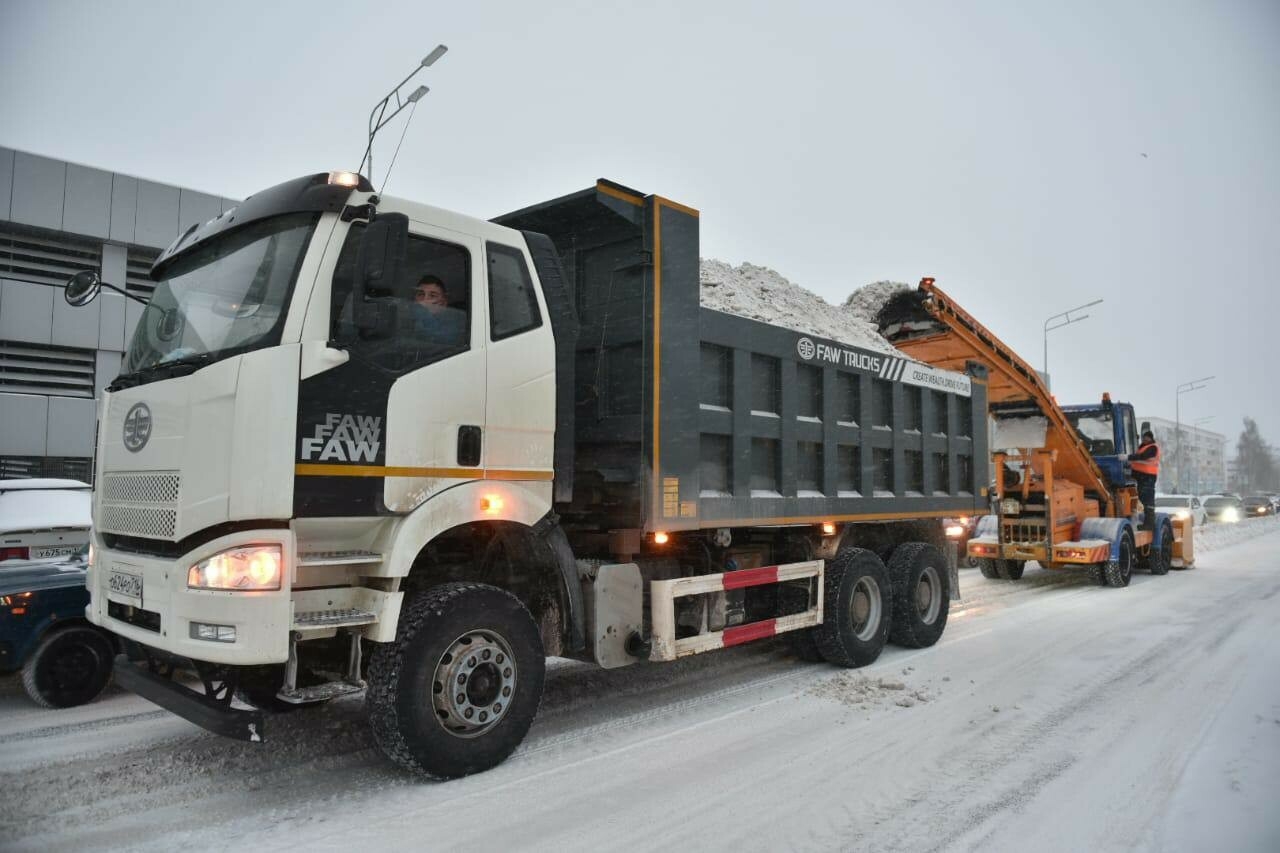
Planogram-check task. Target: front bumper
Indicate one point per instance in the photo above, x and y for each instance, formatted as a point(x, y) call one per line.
point(217, 717)
point(162, 617)
point(1082, 553)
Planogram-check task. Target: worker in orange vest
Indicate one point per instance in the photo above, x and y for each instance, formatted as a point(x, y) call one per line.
point(1146, 468)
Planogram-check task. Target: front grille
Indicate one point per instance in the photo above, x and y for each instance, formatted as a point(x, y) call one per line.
point(143, 504)
point(152, 522)
point(1026, 531)
point(148, 620)
point(159, 488)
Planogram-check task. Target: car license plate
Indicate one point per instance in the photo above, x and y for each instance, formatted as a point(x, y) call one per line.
point(125, 584)
point(54, 551)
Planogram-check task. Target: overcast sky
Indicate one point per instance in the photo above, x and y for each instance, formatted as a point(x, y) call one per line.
point(997, 146)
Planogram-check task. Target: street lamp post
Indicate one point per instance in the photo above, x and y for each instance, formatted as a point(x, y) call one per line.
point(1196, 468)
point(378, 117)
point(1184, 388)
point(1063, 319)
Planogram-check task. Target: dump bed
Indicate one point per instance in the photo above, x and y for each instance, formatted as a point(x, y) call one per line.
point(689, 418)
point(928, 325)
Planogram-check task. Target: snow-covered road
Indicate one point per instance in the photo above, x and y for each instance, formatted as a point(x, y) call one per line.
point(1053, 715)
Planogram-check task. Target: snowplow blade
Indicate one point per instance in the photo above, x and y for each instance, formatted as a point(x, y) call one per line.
point(221, 719)
point(1184, 555)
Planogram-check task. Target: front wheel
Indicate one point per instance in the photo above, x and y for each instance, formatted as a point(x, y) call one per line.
point(1011, 570)
point(1116, 573)
point(855, 624)
point(456, 691)
point(70, 667)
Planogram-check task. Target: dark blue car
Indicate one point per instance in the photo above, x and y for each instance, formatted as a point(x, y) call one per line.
point(64, 659)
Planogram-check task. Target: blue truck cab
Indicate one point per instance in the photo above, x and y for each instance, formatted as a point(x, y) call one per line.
point(64, 660)
point(1110, 432)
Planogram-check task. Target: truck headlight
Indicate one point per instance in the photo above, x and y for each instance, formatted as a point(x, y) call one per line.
point(249, 567)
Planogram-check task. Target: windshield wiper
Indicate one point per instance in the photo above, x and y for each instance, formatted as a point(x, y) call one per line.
point(163, 370)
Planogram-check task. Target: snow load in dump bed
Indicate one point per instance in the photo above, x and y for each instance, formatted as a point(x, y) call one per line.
point(759, 293)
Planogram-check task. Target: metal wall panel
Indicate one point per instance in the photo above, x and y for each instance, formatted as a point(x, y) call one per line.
point(157, 220)
point(111, 325)
point(26, 312)
point(39, 184)
point(87, 207)
point(75, 327)
point(71, 423)
point(196, 209)
point(124, 207)
point(106, 368)
point(24, 421)
point(6, 180)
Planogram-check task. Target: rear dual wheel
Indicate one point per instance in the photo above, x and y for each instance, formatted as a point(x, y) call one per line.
point(857, 616)
point(921, 594)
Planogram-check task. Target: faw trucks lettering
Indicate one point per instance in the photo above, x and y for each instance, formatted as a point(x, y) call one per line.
point(344, 438)
point(811, 350)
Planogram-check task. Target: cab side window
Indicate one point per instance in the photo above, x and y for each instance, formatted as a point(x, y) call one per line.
point(428, 311)
point(513, 306)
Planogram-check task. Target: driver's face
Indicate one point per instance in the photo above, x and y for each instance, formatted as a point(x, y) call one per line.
point(429, 294)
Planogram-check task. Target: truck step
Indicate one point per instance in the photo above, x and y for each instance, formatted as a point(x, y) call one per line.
point(338, 558)
point(335, 618)
point(320, 692)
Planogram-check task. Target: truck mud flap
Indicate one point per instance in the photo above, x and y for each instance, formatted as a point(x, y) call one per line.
point(217, 717)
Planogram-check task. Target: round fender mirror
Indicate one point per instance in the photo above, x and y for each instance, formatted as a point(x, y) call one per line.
point(81, 288)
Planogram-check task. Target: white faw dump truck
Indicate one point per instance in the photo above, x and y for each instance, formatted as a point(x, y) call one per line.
point(361, 443)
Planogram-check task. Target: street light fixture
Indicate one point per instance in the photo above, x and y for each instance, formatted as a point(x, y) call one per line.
point(378, 117)
point(1184, 388)
point(1063, 319)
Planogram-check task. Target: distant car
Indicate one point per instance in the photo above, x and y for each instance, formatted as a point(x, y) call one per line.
point(1182, 506)
point(1256, 506)
point(64, 659)
point(960, 530)
point(43, 519)
point(1223, 508)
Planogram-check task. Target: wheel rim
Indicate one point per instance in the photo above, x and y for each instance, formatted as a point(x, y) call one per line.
point(71, 670)
point(474, 683)
point(928, 595)
point(1126, 559)
point(864, 609)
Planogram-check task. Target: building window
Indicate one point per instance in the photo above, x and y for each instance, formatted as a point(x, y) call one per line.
point(42, 369)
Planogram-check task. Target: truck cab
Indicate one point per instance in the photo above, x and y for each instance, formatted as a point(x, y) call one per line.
point(1110, 433)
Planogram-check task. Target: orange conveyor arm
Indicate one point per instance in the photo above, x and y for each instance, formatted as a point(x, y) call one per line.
point(929, 326)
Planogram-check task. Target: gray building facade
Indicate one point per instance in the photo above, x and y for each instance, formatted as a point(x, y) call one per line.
point(1203, 457)
point(56, 219)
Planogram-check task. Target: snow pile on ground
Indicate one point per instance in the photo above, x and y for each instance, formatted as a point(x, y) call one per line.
point(1210, 537)
point(858, 691)
point(759, 293)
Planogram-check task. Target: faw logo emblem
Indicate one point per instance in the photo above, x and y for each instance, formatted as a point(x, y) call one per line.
point(805, 347)
point(137, 427)
point(344, 438)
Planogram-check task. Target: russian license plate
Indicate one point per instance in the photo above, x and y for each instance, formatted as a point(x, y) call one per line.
point(125, 584)
point(54, 551)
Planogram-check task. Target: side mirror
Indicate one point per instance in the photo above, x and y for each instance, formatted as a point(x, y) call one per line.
point(379, 262)
point(82, 288)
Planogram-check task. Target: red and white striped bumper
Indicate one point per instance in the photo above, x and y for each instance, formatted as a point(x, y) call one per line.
point(662, 596)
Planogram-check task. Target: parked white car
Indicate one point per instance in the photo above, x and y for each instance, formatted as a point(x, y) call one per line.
point(1182, 506)
point(43, 519)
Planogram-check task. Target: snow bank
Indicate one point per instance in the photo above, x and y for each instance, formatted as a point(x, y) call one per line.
point(1211, 537)
point(759, 293)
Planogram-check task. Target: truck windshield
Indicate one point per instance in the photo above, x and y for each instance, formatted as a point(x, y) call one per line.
point(1097, 430)
point(220, 299)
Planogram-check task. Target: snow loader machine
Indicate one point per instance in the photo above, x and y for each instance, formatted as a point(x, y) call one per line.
point(361, 441)
point(1063, 491)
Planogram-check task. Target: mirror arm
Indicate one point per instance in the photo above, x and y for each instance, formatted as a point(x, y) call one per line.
point(124, 293)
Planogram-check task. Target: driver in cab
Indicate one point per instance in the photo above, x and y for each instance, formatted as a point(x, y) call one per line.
point(432, 318)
